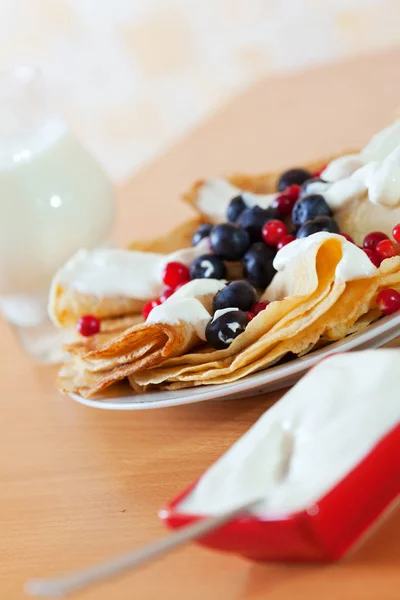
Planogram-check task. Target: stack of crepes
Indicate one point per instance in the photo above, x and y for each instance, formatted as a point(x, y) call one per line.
point(312, 302)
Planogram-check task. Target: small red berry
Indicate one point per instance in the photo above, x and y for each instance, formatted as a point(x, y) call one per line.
point(258, 307)
point(273, 231)
point(250, 316)
point(88, 325)
point(373, 238)
point(347, 237)
point(396, 233)
point(149, 307)
point(167, 293)
point(175, 273)
point(388, 301)
point(285, 240)
point(373, 257)
point(293, 191)
point(284, 204)
point(386, 249)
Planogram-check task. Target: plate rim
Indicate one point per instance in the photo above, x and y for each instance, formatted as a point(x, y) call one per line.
point(387, 328)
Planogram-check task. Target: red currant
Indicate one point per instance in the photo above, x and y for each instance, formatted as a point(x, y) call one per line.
point(388, 301)
point(175, 273)
point(167, 293)
point(396, 233)
point(386, 249)
point(88, 325)
point(285, 240)
point(373, 257)
point(149, 307)
point(293, 191)
point(273, 231)
point(258, 307)
point(284, 203)
point(373, 238)
point(347, 237)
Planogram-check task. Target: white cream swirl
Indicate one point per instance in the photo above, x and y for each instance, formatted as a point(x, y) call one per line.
point(185, 305)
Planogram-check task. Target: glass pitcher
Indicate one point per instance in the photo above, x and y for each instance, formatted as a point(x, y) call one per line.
point(54, 199)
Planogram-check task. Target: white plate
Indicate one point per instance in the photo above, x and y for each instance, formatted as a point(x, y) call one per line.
point(275, 378)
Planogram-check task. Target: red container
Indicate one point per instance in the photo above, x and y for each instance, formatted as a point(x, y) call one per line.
point(323, 532)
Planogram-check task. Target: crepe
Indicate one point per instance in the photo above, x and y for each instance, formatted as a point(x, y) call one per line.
point(335, 309)
point(67, 304)
point(265, 183)
point(103, 359)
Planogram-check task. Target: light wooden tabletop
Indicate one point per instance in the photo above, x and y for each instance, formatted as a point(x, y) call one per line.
point(78, 485)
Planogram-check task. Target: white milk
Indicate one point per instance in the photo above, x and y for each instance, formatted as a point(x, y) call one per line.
point(54, 199)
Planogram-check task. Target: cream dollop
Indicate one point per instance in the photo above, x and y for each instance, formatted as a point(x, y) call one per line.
point(215, 194)
point(186, 310)
point(354, 263)
point(375, 171)
point(185, 305)
point(117, 272)
point(308, 441)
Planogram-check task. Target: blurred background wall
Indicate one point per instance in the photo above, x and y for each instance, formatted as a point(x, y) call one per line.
point(132, 75)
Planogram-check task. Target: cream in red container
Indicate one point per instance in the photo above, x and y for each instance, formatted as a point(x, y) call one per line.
point(337, 435)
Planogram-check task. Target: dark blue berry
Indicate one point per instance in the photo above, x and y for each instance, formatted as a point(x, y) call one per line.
point(229, 240)
point(221, 332)
point(310, 207)
point(202, 232)
point(292, 177)
point(238, 294)
point(316, 225)
point(253, 219)
point(307, 186)
point(235, 208)
point(257, 263)
point(208, 266)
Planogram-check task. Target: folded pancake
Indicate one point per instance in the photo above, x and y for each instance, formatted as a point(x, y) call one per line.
point(210, 197)
point(339, 306)
point(172, 329)
point(361, 188)
point(111, 283)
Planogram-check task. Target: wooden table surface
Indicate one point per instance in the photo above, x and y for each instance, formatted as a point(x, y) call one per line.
point(77, 485)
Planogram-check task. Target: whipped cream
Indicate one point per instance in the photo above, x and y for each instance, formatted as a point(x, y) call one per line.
point(374, 172)
point(332, 418)
point(187, 310)
point(117, 272)
point(185, 305)
point(354, 263)
point(215, 195)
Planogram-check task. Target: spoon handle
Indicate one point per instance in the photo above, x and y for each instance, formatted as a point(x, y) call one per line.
point(68, 584)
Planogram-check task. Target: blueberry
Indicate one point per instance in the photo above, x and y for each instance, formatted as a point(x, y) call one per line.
point(291, 177)
point(253, 219)
point(229, 241)
point(235, 208)
point(239, 294)
point(317, 224)
point(202, 232)
point(208, 266)
point(315, 185)
point(222, 330)
point(310, 207)
point(257, 263)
